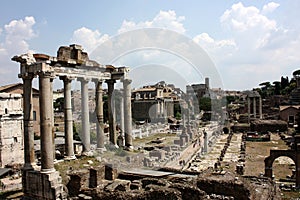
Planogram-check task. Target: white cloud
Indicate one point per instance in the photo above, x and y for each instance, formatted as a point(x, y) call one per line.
point(240, 18)
point(89, 39)
point(270, 7)
point(256, 45)
point(16, 35)
point(164, 19)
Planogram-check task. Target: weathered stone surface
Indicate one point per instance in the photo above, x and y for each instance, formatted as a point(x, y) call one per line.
point(118, 185)
point(78, 180)
point(40, 186)
point(11, 137)
point(189, 192)
point(268, 126)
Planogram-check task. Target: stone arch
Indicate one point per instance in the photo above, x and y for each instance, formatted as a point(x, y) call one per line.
point(274, 154)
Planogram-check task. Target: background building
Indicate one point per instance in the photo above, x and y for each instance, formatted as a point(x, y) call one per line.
point(11, 129)
point(17, 88)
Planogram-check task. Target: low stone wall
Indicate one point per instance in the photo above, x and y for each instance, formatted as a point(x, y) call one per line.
point(227, 188)
point(268, 126)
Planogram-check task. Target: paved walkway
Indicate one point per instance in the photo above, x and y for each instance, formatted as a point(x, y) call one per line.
point(209, 159)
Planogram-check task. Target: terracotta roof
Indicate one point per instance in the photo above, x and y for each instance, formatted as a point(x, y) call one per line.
point(4, 88)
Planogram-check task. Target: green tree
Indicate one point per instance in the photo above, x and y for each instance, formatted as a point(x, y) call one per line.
point(277, 87)
point(58, 105)
point(205, 104)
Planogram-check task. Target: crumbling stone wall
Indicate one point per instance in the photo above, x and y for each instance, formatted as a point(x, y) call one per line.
point(228, 188)
point(268, 126)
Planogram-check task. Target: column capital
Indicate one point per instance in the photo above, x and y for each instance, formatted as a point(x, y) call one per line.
point(83, 79)
point(110, 81)
point(46, 74)
point(66, 78)
point(126, 81)
point(26, 76)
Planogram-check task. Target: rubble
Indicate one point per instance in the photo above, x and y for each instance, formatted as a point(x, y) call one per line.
point(205, 185)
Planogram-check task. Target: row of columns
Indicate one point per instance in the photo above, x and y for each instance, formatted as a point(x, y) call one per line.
point(46, 118)
point(254, 99)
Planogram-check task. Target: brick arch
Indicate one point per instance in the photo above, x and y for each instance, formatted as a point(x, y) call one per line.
point(279, 153)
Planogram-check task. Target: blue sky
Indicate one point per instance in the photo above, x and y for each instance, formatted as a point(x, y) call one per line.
point(249, 42)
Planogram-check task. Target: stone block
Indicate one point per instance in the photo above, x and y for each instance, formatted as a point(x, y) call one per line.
point(40, 186)
point(110, 172)
point(160, 154)
point(96, 176)
point(118, 185)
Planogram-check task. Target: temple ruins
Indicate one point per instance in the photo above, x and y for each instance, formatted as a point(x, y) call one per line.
point(71, 64)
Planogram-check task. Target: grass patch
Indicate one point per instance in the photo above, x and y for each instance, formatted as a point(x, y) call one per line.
point(72, 165)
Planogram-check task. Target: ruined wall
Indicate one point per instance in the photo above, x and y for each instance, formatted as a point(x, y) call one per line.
point(11, 127)
point(268, 126)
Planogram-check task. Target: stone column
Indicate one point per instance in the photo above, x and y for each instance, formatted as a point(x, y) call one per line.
point(161, 109)
point(260, 108)
point(29, 157)
point(122, 126)
point(120, 139)
point(254, 107)
point(85, 121)
point(249, 110)
point(157, 114)
point(46, 122)
point(127, 112)
point(69, 146)
point(52, 118)
point(112, 123)
point(99, 113)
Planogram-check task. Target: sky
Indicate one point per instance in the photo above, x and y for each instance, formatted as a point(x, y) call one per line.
point(237, 44)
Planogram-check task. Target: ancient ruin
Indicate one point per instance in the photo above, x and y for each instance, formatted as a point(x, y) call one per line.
point(71, 63)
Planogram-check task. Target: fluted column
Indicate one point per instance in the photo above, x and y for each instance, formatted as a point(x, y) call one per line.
point(99, 113)
point(46, 122)
point(69, 145)
point(112, 123)
point(85, 121)
point(127, 112)
point(29, 157)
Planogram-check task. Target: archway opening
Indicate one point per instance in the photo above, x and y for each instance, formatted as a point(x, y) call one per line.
point(284, 169)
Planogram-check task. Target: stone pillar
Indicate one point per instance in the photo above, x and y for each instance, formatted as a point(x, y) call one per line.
point(268, 172)
point(99, 113)
point(127, 112)
point(69, 146)
point(52, 118)
point(260, 108)
point(29, 157)
point(254, 107)
point(85, 121)
point(47, 164)
point(122, 126)
point(162, 109)
point(249, 110)
point(112, 123)
point(205, 147)
point(157, 111)
point(120, 139)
